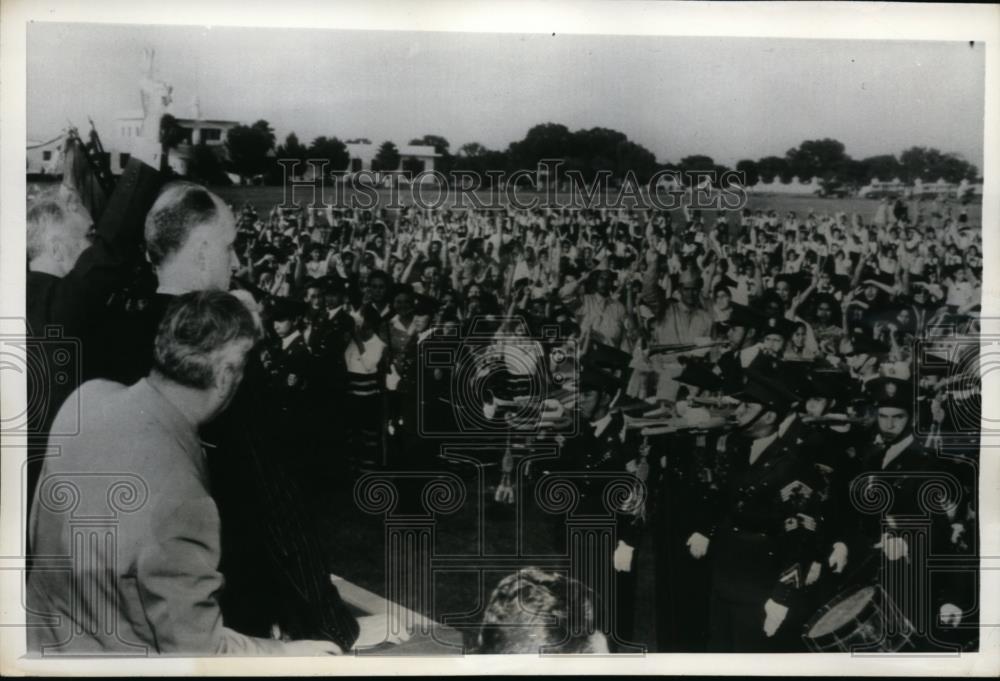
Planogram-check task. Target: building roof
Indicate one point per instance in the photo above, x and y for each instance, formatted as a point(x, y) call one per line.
point(369, 151)
point(183, 114)
point(34, 144)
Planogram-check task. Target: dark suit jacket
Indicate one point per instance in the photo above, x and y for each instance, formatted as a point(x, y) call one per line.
point(74, 307)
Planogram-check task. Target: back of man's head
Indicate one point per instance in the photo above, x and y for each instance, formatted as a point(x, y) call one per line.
point(203, 335)
point(537, 611)
point(179, 211)
point(57, 228)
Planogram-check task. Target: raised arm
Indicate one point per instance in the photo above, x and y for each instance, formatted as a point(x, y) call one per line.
point(651, 291)
point(804, 295)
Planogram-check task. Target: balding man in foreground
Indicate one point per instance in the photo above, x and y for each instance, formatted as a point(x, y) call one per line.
point(150, 582)
point(276, 570)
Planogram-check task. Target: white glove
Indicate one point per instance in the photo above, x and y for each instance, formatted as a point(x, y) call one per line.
point(813, 573)
point(698, 544)
point(623, 557)
point(950, 614)
point(774, 615)
point(838, 557)
point(893, 547)
point(392, 378)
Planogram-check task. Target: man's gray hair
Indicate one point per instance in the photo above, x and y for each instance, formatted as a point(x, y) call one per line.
point(47, 212)
point(179, 209)
point(195, 328)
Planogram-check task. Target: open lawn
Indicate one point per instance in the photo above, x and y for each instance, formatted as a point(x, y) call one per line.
point(265, 197)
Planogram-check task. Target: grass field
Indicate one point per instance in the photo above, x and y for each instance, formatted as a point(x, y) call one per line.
point(265, 197)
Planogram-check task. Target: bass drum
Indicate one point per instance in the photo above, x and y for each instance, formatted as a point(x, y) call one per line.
point(861, 621)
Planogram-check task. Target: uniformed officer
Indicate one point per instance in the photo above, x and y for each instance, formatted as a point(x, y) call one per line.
point(289, 355)
point(597, 450)
point(774, 334)
point(831, 440)
point(924, 511)
point(688, 475)
point(741, 334)
point(758, 531)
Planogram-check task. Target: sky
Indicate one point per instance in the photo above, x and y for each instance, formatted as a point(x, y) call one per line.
point(729, 98)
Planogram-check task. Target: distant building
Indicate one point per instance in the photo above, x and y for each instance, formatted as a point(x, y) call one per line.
point(877, 189)
point(45, 158)
point(967, 189)
point(794, 187)
point(128, 125)
point(414, 158)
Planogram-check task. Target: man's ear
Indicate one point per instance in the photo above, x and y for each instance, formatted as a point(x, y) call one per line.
point(201, 255)
point(225, 377)
point(770, 416)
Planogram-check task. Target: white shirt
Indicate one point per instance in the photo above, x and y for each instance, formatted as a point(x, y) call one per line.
point(895, 450)
point(601, 425)
point(760, 444)
point(364, 362)
point(289, 339)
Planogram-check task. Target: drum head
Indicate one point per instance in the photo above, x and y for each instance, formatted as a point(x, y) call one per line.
point(842, 612)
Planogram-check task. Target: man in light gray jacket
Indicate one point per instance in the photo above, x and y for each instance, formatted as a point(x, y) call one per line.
point(126, 534)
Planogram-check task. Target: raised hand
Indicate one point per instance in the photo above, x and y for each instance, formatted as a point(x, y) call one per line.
point(698, 545)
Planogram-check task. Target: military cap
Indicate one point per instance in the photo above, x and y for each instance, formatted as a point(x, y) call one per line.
point(593, 378)
point(604, 356)
point(741, 315)
point(286, 308)
point(768, 392)
point(779, 326)
point(892, 392)
point(831, 384)
point(699, 375)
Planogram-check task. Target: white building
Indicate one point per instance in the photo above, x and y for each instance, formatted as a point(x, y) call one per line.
point(45, 158)
point(415, 157)
point(795, 187)
point(128, 126)
point(877, 189)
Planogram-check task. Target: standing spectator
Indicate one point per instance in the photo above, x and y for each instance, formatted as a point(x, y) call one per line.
point(163, 597)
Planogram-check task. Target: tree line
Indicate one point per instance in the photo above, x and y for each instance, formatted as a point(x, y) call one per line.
point(252, 152)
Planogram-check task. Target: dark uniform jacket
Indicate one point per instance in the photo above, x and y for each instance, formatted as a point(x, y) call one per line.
point(762, 521)
point(918, 496)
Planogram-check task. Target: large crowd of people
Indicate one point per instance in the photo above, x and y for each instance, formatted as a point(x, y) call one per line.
point(769, 381)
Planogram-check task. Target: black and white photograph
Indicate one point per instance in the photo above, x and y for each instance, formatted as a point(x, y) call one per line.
point(413, 342)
